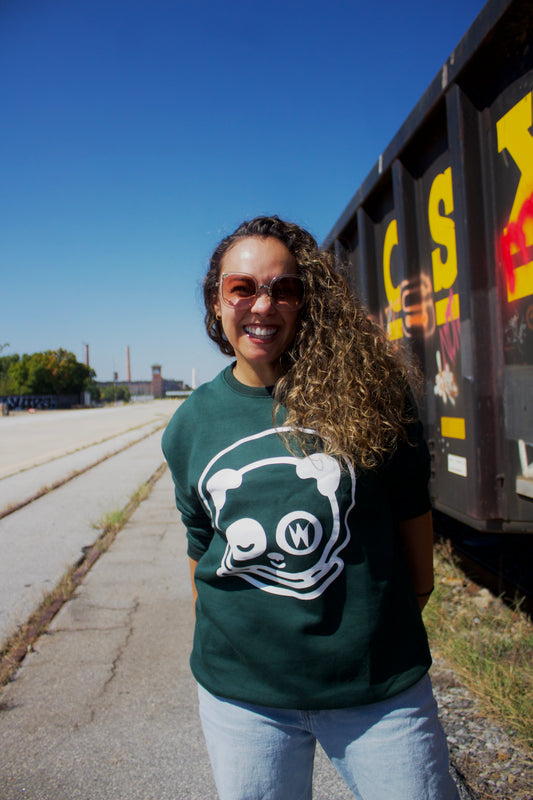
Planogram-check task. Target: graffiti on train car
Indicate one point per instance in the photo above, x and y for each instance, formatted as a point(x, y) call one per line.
point(444, 266)
point(412, 309)
point(515, 333)
point(423, 304)
point(442, 229)
point(393, 319)
point(513, 135)
point(428, 304)
point(445, 383)
point(515, 237)
point(450, 332)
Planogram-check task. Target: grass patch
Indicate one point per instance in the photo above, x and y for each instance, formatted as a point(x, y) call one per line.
point(486, 643)
point(17, 646)
point(112, 520)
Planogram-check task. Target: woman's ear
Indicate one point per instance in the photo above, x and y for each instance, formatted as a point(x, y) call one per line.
point(216, 306)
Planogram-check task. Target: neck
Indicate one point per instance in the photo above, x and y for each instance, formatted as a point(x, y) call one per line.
point(267, 375)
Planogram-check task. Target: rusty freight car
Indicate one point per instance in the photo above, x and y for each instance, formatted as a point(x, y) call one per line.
point(438, 241)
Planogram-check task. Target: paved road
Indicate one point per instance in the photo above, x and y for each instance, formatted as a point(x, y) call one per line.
point(40, 541)
point(24, 485)
point(29, 439)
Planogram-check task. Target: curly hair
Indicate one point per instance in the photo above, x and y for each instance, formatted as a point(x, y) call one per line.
point(342, 377)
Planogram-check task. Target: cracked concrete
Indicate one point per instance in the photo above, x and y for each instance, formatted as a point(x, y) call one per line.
point(106, 706)
point(123, 648)
point(41, 541)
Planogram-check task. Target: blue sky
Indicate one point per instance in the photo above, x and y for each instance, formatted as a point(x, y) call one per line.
point(134, 134)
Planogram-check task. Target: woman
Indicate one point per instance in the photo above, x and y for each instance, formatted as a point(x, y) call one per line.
point(301, 476)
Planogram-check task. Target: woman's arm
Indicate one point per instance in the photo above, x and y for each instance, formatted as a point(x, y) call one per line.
point(193, 564)
point(417, 540)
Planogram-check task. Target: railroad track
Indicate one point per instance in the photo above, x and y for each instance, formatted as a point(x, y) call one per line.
point(51, 513)
point(27, 485)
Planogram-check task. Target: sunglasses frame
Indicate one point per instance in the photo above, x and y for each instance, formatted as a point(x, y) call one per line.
point(258, 287)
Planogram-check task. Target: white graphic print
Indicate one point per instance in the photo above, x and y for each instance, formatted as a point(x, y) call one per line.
point(279, 514)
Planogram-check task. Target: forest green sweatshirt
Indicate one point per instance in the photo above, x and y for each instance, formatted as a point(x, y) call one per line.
point(304, 597)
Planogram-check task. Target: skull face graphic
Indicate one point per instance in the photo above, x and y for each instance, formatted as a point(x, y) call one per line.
point(280, 514)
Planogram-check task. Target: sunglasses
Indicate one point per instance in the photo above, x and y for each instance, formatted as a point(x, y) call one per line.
point(240, 290)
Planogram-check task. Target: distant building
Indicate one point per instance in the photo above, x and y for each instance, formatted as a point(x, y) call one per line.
point(157, 381)
point(173, 386)
point(157, 387)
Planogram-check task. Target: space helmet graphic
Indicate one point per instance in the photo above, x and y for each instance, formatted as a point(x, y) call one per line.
point(279, 513)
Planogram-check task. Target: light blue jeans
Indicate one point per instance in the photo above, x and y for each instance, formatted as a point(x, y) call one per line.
point(391, 750)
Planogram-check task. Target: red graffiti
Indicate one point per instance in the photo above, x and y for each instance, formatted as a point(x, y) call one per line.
point(450, 334)
point(514, 235)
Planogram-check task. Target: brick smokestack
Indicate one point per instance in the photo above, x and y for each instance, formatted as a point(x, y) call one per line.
point(86, 354)
point(128, 366)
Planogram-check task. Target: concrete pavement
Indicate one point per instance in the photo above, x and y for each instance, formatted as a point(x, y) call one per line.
point(42, 540)
point(31, 439)
point(20, 487)
point(105, 708)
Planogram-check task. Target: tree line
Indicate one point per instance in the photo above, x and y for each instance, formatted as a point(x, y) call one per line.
point(54, 372)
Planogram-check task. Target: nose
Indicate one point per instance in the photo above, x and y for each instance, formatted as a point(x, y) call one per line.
point(262, 300)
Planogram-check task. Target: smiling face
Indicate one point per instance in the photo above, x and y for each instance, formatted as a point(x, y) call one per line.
point(262, 332)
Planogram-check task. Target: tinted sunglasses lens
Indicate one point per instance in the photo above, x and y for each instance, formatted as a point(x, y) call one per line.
point(238, 288)
point(288, 290)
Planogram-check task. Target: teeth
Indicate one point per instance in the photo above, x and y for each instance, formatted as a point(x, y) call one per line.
point(260, 332)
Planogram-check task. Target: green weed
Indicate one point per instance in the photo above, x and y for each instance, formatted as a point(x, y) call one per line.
point(486, 643)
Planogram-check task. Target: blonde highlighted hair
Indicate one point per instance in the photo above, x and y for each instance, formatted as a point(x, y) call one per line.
point(341, 377)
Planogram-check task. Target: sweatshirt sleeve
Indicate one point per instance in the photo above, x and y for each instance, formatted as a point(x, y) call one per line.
point(176, 445)
point(196, 521)
point(408, 471)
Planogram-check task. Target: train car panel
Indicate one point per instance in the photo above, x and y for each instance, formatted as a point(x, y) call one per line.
point(511, 166)
point(438, 242)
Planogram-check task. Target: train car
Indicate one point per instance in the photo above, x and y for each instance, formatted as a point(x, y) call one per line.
point(438, 242)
